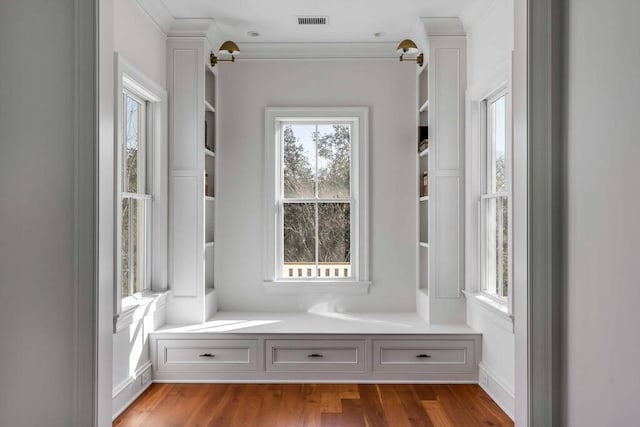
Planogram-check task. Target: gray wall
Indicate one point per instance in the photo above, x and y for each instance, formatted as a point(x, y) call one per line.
point(602, 214)
point(39, 227)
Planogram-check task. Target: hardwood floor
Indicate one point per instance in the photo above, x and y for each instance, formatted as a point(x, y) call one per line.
point(297, 405)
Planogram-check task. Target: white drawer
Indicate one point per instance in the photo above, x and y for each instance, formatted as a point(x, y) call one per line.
point(206, 355)
point(315, 355)
point(442, 356)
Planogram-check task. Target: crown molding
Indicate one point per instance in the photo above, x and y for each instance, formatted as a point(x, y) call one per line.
point(443, 27)
point(378, 51)
point(193, 27)
point(158, 13)
point(207, 28)
point(475, 13)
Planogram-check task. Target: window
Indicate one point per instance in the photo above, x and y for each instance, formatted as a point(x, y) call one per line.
point(140, 191)
point(495, 203)
point(316, 197)
point(135, 198)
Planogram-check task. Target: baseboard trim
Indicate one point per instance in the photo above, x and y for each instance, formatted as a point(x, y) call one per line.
point(501, 393)
point(124, 395)
point(307, 381)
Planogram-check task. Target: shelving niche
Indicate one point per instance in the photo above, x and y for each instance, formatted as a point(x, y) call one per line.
point(423, 175)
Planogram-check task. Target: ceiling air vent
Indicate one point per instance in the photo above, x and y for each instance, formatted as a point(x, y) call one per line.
point(313, 20)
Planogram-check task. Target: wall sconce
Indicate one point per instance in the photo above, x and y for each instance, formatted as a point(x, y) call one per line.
point(227, 47)
point(407, 46)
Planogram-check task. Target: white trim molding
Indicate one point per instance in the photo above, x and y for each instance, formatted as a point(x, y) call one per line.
point(309, 51)
point(138, 307)
point(359, 283)
point(127, 392)
point(303, 288)
point(497, 389)
point(128, 77)
point(493, 310)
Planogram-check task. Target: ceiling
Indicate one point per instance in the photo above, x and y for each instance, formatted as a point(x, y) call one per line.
point(350, 21)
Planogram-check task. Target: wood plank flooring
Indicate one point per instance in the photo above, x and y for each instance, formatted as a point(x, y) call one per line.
point(298, 405)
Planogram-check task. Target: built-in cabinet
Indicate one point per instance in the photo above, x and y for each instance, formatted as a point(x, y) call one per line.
point(441, 107)
point(430, 345)
point(192, 85)
point(305, 347)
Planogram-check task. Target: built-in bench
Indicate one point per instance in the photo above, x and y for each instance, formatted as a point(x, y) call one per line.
point(315, 347)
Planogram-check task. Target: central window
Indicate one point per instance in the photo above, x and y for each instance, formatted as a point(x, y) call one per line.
point(315, 198)
point(316, 192)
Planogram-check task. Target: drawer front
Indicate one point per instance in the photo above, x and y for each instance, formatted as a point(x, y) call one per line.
point(442, 356)
point(206, 355)
point(315, 355)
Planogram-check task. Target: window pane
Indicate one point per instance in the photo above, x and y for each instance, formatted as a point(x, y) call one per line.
point(334, 239)
point(133, 246)
point(497, 246)
point(133, 150)
point(299, 240)
point(334, 160)
point(125, 280)
point(138, 244)
point(498, 145)
point(299, 160)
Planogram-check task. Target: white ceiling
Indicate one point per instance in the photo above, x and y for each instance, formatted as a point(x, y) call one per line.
point(349, 20)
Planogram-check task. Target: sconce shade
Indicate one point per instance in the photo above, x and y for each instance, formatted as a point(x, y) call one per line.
point(407, 46)
point(229, 47)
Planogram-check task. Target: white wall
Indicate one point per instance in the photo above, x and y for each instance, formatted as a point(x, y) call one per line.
point(602, 214)
point(489, 38)
point(489, 45)
point(388, 89)
point(139, 40)
point(141, 43)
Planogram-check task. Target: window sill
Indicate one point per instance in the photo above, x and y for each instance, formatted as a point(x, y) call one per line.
point(284, 287)
point(136, 308)
point(498, 313)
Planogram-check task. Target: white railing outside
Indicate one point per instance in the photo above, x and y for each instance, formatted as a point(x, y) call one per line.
point(328, 270)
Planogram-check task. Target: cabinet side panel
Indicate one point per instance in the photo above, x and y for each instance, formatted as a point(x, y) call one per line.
point(448, 109)
point(447, 243)
point(186, 108)
point(185, 236)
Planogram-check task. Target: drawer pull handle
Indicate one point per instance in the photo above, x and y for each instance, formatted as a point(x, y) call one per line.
point(315, 355)
point(207, 355)
point(423, 356)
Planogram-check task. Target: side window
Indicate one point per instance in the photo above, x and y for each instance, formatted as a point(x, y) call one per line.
point(496, 198)
point(134, 196)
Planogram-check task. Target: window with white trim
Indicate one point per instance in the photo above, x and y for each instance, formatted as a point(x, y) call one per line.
point(316, 196)
point(135, 198)
point(140, 190)
point(495, 200)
